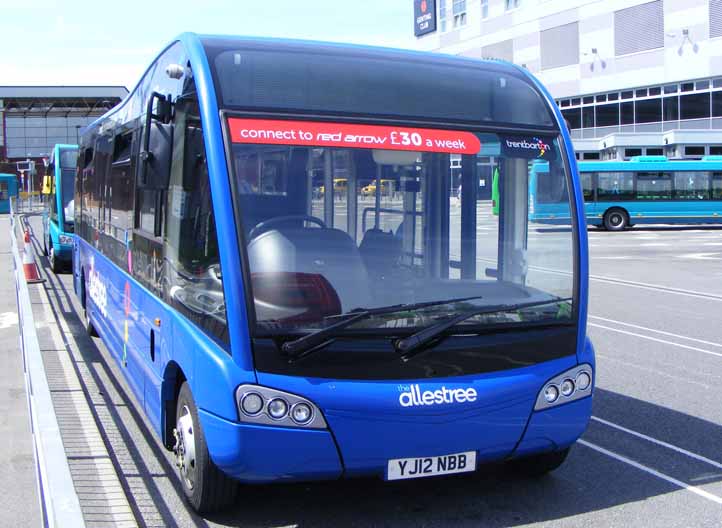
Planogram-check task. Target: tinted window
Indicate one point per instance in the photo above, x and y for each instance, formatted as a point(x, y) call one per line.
point(608, 115)
point(694, 106)
point(654, 186)
point(587, 186)
point(691, 185)
point(332, 80)
point(671, 108)
point(573, 117)
point(194, 282)
point(716, 104)
point(587, 116)
point(717, 186)
point(648, 111)
point(627, 113)
point(615, 186)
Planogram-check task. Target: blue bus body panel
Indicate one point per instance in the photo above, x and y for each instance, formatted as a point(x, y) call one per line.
point(266, 454)
point(10, 183)
point(556, 428)
point(371, 427)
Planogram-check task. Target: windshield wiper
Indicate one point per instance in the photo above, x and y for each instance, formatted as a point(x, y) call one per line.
point(408, 345)
point(311, 342)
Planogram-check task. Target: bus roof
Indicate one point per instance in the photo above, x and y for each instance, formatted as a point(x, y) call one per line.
point(660, 165)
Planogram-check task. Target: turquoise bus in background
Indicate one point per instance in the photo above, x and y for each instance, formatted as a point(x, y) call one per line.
point(59, 216)
point(8, 189)
point(643, 190)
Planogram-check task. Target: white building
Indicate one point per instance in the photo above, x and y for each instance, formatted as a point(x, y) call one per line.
point(630, 76)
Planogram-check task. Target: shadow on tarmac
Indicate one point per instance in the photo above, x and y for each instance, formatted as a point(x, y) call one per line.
point(587, 482)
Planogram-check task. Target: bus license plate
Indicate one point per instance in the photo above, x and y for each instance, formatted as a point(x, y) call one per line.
point(408, 468)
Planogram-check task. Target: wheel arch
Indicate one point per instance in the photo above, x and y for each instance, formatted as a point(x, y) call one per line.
point(173, 378)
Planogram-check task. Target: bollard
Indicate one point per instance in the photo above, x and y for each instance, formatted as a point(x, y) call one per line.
point(30, 268)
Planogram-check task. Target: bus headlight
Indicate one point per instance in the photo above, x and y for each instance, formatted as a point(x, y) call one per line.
point(252, 403)
point(573, 385)
point(65, 240)
point(583, 381)
point(301, 413)
point(277, 408)
point(265, 406)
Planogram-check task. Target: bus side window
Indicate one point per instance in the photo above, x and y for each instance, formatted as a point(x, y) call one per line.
point(717, 186)
point(194, 284)
point(587, 187)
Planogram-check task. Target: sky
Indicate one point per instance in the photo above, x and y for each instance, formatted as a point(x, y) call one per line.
point(83, 42)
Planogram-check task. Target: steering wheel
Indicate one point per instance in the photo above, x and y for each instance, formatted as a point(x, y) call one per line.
point(266, 224)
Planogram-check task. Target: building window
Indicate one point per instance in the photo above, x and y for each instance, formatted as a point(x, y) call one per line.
point(591, 155)
point(694, 151)
point(670, 108)
point(655, 152)
point(484, 9)
point(458, 9)
point(715, 18)
point(716, 104)
point(670, 88)
point(588, 117)
point(655, 91)
point(626, 113)
point(607, 115)
point(627, 95)
point(631, 152)
point(511, 4)
point(613, 97)
point(715, 150)
point(442, 14)
point(694, 106)
point(573, 117)
point(648, 111)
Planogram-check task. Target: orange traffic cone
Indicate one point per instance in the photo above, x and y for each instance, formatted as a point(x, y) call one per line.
point(32, 273)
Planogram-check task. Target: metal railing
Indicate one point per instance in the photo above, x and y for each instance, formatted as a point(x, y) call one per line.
point(59, 503)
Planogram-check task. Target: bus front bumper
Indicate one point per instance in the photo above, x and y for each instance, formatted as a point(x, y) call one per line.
point(262, 454)
point(257, 454)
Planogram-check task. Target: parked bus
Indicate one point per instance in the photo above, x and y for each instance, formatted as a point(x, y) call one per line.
point(8, 191)
point(267, 334)
point(59, 215)
point(644, 190)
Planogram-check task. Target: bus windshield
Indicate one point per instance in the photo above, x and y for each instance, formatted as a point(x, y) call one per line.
point(407, 227)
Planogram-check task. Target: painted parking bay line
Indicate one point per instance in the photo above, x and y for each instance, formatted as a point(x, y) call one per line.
point(696, 349)
point(662, 443)
point(662, 332)
point(683, 485)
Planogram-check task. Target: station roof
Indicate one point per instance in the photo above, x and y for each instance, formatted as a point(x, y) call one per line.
point(42, 101)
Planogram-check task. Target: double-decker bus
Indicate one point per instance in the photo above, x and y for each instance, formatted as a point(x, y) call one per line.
point(643, 190)
point(59, 214)
point(274, 333)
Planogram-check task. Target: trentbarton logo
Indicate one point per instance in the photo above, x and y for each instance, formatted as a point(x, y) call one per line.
point(413, 396)
point(535, 144)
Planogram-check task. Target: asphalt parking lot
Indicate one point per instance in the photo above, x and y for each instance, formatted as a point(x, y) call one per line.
point(652, 455)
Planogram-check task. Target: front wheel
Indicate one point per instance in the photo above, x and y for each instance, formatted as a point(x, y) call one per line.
point(540, 465)
point(54, 262)
point(615, 220)
point(206, 487)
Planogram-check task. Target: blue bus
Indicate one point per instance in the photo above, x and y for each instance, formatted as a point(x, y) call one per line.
point(274, 332)
point(8, 191)
point(59, 217)
point(643, 190)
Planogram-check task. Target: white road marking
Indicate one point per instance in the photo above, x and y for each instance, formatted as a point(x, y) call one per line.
point(693, 489)
point(712, 244)
point(619, 257)
point(700, 256)
point(656, 340)
point(8, 319)
point(656, 287)
point(673, 447)
point(655, 244)
point(712, 343)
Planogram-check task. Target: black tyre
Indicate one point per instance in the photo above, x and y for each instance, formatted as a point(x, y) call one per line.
point(539, 465)
point(206, 487)
point(55, 264)
point(616, 219)
point(87, 323)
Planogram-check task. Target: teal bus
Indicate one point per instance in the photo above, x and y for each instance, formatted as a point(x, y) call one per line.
point(643, 190)
point(59, 217)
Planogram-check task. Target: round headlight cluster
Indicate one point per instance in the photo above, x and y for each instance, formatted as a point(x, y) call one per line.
point(567, 387)
point(253, 404)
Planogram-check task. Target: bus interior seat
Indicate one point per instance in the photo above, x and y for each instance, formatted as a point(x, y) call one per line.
point(380, 250)
point(328, 252)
